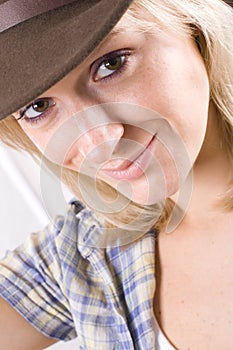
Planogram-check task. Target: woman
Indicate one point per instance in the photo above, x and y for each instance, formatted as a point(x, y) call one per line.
point(141, 109)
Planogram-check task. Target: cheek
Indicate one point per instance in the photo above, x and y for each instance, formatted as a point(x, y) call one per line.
point(179, 92)
point(39, 139)
point(191, 110)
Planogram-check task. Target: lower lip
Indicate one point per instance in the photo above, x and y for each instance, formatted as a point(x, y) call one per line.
point(136, 168)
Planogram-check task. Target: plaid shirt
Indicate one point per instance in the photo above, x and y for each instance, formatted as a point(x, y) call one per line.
point(67, 289)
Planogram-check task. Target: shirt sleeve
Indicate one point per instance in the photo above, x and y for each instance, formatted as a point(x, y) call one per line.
point(31, 281)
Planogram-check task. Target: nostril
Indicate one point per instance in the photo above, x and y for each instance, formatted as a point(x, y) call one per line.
point(117, 130)
point(96, 146)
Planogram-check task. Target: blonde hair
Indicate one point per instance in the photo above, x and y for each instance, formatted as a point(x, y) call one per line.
point(210, 22)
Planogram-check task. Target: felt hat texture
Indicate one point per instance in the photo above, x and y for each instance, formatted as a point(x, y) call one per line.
point(42, 40)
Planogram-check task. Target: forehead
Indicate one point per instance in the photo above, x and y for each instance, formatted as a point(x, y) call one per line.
point(127, 23)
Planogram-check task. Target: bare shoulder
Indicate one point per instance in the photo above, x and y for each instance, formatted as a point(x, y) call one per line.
point(17, 333)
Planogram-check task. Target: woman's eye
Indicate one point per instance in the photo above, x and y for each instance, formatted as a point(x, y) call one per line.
point(36, 109)
point(109, 65)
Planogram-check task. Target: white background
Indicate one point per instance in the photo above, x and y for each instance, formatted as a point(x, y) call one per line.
point(21, 206)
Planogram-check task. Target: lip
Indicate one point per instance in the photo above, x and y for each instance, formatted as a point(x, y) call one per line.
point(129, 170)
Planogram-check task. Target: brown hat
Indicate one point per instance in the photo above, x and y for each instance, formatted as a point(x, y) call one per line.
point(42, 40)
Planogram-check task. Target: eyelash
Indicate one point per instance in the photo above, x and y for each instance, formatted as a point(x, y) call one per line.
point(94, 70)
point(115, 54)
point(35, 120)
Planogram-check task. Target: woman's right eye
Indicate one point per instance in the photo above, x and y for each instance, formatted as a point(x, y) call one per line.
point(36, 110)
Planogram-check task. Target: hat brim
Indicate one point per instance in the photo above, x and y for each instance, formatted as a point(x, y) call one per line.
point(39, 52)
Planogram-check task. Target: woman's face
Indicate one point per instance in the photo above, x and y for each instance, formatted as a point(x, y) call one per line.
point(144, 145)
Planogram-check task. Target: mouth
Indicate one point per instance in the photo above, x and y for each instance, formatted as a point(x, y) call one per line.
point(129, 170)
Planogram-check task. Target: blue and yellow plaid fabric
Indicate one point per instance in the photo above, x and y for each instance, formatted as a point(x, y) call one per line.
point(104, 297)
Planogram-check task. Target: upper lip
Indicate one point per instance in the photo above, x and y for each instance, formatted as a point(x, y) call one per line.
point(126, 163)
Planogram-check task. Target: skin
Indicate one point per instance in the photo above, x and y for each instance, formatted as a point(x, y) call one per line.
point(171, 71)
point(159, 64)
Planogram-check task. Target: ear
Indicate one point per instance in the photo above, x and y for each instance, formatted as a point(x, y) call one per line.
point(201, 43)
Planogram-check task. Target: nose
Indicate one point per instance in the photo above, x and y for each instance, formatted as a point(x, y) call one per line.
point(96, 145)
point(101, 135)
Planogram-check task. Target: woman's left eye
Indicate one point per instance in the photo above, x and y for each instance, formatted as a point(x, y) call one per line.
point(109, 65)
